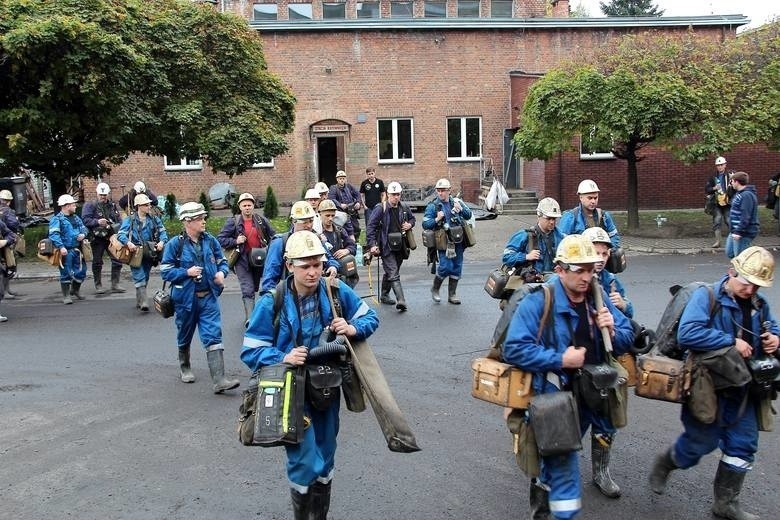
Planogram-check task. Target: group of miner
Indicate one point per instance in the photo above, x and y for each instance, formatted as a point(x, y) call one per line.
point(563, 251)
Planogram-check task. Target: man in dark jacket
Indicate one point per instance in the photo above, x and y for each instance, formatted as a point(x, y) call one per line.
point(743, 217)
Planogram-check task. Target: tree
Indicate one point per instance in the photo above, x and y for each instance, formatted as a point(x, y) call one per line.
point(87, 82)
point(630, 8)
point(645, 89)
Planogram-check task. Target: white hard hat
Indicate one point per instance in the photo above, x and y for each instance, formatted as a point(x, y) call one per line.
point(190, 210)
point(326, 205)
point(597, 234)
point(301, 210)
point(394, 187)
point(103, 189)
point(141, 199)
point(6, 195)
point(576, 249)
point(756, 265)
point(587, 186)
point(245, 196)
point(443, 184)
point(720, 160)
point(65, 199)
point(321, 187)
point(548, 207)
point(304, 244)
point(139, 187)
point(341, 173)
point(311, 193)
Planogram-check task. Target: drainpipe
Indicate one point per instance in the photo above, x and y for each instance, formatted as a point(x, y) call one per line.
point(560, 179)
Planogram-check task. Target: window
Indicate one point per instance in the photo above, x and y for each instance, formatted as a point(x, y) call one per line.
point(435, 9)
point(596, 146)
point(265, 11)
point(368, 10)
point(395, 139)
point(332, 11)
point(468, 8)
point(269, 164)
point(401, 10)
point(183, 163)
point(299, 11)
point(464, 136)
point(501, 9)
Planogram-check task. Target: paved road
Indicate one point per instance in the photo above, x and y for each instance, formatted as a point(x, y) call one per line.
point(95, 424)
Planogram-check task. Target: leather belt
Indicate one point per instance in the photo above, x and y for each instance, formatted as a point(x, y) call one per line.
point(202, 294)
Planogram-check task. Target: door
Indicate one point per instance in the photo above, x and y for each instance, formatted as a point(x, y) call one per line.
point(328, 162)
point(512, 171)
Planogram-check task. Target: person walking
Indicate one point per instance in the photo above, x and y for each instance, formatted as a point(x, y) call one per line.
point(555, 358)
point(247, 231)
point(67, 232)
point(390, 223)
point(531, 251)
point(102, 218)
point(7, 240)
point(143, 230)
point(9, 218)
point(372, 192)
point(126, 201)
point(587, 214)
point(608, 281)
point(743, 215)
point(718, 188)
point(441, 214)
point(288, 335)
point(743, 322)
point(195, 267)
point(347, 199)
point(338, 243)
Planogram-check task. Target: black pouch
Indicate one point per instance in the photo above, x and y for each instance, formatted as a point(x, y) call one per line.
point(395, 241)
point(353, 390)
point(257, 257)
point(725, 365)
point(456, 234)
point(702, 400)
point(271, 412)
point(764, 371)
point(556, 423)
point(151, 253)
point(323, 385)
point(592, 384)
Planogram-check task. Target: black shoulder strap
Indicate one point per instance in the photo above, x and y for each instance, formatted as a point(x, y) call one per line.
point(532, 241)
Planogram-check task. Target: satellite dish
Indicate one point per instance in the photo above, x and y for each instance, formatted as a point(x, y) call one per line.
point(222, 195)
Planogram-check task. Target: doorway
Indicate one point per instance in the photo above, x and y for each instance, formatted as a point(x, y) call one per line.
point(328, 159)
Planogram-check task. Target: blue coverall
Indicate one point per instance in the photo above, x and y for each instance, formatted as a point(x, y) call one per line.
point(63, 232)
point(560, 473)
point(517, 249)
point(151, 230)
point(573, 223)
point(193, 310)
point(275, 268)
point(735, 434)
point(452, 267)
point(313, 459)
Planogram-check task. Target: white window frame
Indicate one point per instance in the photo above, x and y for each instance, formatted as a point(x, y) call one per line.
point(395, 159)
point(185, 163)
point(596, 154)
point(464, 157)
point(264, 164)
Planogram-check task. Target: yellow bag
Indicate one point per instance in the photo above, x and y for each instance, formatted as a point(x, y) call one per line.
point(119, 252)
point(86, 250)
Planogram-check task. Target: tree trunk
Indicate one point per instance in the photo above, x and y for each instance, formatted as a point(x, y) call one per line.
point(632, 189)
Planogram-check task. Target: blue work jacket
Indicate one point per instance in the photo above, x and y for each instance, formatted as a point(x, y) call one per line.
point(63, 233)
point(517, 249)
point(152, 229)
point(573, 223)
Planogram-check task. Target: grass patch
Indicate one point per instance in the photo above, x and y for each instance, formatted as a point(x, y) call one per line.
point(683, 223)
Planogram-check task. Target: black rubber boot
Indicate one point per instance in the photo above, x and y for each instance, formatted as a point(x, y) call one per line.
point(185, 371)
point(301, 503)
point(217, 369)
point(9, 294)
point(66, 299)
point(385, 295)
point(399, 296)
point(540, 501)
point(116, 272)
point(659, 475)
point(727, 487)
point(435, 289)
point(97, 275)
point(75, 288)
point(452, 287)
point(599, 450)
point(320, 501)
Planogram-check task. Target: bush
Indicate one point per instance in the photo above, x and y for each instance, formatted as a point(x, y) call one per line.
point(170, 206)
point(271, 207)
point(203, 199)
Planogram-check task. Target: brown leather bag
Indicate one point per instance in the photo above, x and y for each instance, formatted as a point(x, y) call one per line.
point(119, 252)
point(501, 383)
point(662, 378)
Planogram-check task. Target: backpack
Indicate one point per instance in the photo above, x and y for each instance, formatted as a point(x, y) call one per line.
point(502, 327)
point(666, 332)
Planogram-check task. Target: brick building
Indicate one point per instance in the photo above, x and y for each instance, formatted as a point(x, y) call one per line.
point(425, 89)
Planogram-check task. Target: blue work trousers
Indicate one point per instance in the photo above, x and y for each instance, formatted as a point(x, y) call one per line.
point(205, 315)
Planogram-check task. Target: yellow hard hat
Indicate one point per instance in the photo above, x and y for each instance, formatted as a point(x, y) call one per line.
point(245, 196)
point(756, 265)
point(576, 249)
point(6, 195)
point(304, 244)
point(302, 210)
point(141, 199)
point(326, 205)
point(596, 234)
